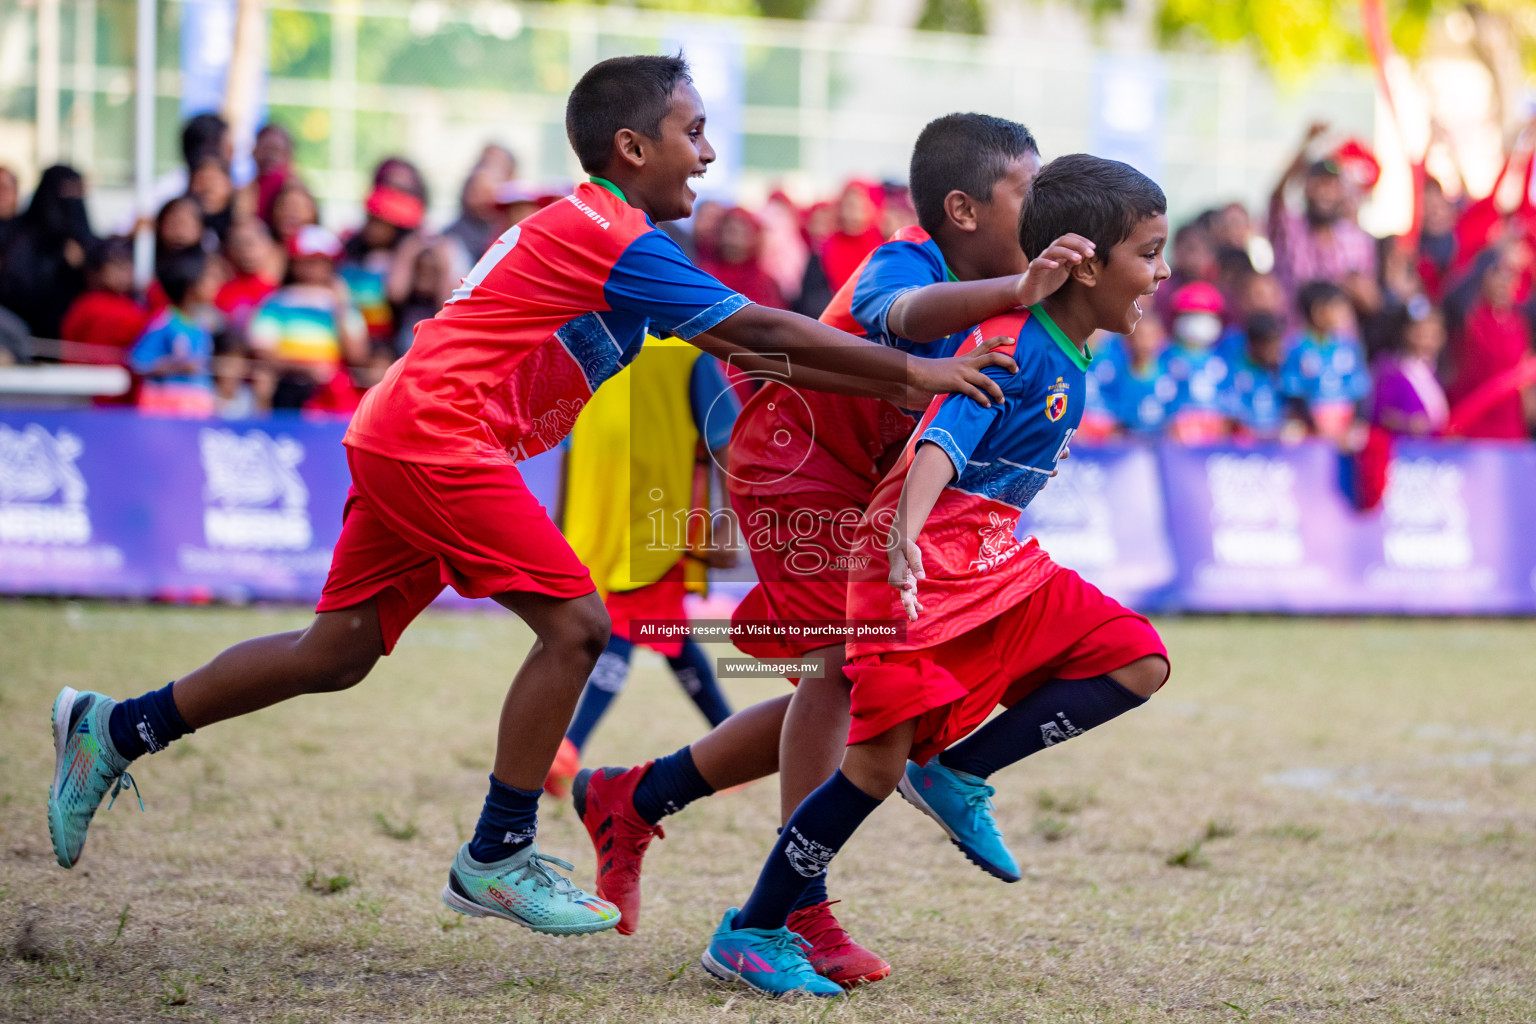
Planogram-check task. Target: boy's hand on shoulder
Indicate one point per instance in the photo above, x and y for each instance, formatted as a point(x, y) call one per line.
point(961, 375)
point(1048, 271)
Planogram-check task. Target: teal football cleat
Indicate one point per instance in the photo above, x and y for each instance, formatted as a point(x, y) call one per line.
point(962, 805)
point(772, 961)
point(86, 766)
point(526, 890)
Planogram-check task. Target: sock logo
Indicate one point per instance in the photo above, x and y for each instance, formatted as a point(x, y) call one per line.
point(1059, 731)
point(522, 836)
point(808, 857)
point(148, 736)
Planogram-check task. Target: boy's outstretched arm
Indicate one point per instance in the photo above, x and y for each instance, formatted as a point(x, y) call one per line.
point(931, 472)
point(903, 394)
point(935, 311)
point(812, 344)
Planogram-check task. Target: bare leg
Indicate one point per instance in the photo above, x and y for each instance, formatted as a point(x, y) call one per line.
point(876, 765)
point(571, 634)
point(815, 731)
point(335, 652)
point(744, 747)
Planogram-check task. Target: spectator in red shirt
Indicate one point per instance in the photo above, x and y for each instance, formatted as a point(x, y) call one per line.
point(735, 261)
point(105, 321)
point(1487, 353)
point(857, 233)
point(257, 268)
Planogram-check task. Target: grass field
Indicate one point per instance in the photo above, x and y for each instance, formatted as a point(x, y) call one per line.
point(1316, 820)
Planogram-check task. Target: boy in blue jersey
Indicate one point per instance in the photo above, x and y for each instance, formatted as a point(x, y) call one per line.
point(799, 458)
point(1325, 376)
point(1132, 388)
point(992, 620)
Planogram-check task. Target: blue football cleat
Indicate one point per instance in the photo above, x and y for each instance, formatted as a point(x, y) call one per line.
point(772, 961)
point(962, 805)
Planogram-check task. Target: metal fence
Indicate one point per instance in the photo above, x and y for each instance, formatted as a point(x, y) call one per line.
point(807, 104)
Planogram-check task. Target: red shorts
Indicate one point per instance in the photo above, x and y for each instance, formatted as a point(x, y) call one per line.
point(1067, 629)
point(800, 547)
point(410, 530)
point(660, 600)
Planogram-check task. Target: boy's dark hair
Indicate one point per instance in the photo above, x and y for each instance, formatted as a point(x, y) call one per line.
point(108, 250)
point(966, 153)
point(621, 92)
point(1102, 200)
point(178, 274)
point(1314, 294)
point(202, 135)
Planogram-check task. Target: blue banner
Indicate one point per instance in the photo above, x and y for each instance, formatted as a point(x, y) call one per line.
point(113, 504)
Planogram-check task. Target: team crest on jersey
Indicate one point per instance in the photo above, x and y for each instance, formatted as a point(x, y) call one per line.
point(1056, 400)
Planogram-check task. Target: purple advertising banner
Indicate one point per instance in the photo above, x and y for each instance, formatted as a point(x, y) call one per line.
point(112, 504)
point(1269, 528)
point(1103, 516)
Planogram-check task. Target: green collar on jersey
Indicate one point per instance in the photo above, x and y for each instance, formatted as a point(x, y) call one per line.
point(949, 275)
point(610, 186)
point(1080, 356)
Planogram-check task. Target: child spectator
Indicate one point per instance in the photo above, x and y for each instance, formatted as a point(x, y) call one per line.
point(1194, 259)
point(1191, 363)
point(178, 230)
point(421, 303)
point(105, 320)
point(857, 232)
point(257, 268)
point(1325, 373)
point(234, 395)
point(1407, 398)
point(1251, 396)
point(292, 209)
point(1134, 391)
point(309, 331)
point(368, 257)
point(273, 154)
point(175, 353)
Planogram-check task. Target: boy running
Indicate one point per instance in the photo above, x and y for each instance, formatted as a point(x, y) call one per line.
point(993, 621)
point(555, 307)
point(809, 462)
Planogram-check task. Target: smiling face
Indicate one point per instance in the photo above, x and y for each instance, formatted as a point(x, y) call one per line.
point(1125, 281)
point(667, 163)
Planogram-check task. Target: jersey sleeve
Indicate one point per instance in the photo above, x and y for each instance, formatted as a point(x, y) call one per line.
point(152, 346)
point(654, 279)
point(894, 269)
point(714, 402)
point(960, 422)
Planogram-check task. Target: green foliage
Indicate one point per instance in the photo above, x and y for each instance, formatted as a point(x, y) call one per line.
point(967, 16)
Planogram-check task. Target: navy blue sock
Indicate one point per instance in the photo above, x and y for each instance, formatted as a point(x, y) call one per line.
point(672, 783)
point(815, 892)
point(1054, 713)
point(508, 822)
point(820, 826)
point(692, 670)
point(604, 684)
point(146, 724)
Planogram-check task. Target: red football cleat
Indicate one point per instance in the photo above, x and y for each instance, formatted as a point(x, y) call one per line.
point(567, 763)
point(831, 950)
point(605, 799)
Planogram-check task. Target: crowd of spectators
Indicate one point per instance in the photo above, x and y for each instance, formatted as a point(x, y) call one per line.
point(1300, 325)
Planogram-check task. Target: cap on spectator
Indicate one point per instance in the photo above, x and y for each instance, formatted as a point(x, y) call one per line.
point(1198, 297)
point(396, 208)
point(314, 240)
point(1356, 158)
point(1327, 167)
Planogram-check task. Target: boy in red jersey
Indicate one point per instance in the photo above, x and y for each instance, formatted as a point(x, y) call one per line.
point(553, 309)
point(805, 465)
point(993, 620)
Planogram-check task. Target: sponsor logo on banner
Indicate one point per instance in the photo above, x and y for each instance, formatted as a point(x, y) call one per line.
point(42, 494)
point(1073, 520)
point(254, 498)
point(1255, 517)
point(1424, 513)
